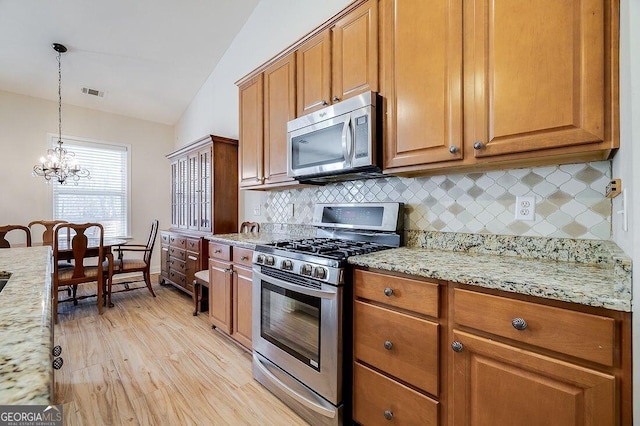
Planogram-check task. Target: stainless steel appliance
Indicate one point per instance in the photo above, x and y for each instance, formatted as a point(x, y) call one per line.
point(302, 307)
point(337, 142)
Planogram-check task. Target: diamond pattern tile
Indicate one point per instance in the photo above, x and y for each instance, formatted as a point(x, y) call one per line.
point(570, 201)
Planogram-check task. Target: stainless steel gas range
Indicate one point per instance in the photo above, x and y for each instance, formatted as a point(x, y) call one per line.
point(302, 307)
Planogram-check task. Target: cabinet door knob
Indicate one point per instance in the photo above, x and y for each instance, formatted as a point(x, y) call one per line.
point(388, 345)
point(57, 350)
point(57, 363)
point(457, 346)
point(478, 145)
point(519, 323)
point(388, 291)
point(325, 102)
point(335, 99)
point(388, 414)
point(454, 149)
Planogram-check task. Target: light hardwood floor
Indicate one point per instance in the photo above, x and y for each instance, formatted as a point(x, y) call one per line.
point(148, 361)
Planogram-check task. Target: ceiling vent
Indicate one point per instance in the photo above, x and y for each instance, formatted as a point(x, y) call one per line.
point(92, 92)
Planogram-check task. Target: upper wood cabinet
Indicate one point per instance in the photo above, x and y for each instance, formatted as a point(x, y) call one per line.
point(421, 80)
point(340, 61)
point(267, 103)
point(539, 84)
point(201, 199)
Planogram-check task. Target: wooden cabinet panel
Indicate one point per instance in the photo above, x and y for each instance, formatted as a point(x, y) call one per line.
point(380, 400)
point(414, 295)
point(423, 90)
point(177, 253)
point(243, 257)
point(578, 334)
point(251, 136)
point(403, 346)
point(536, 74)
point(496, 384)
point(220, 251)
point(355, 53)
point(220, 295)
point(242, 308)
point(279, 108)
point(313, 59)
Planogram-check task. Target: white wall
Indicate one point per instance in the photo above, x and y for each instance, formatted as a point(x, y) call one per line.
point(626, 166)
point(273, 26)
point(25, 122)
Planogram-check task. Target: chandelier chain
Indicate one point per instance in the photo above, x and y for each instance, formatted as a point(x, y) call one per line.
point(59, 98)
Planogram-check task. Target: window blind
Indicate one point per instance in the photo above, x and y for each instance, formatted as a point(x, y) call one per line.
point(104, 197)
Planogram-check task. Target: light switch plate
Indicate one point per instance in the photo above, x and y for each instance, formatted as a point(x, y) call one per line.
point(525, 208)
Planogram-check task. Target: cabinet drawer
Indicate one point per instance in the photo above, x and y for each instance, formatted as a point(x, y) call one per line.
point(177, 253)
point(177, 241)
point(164, 237)
point(401, 345)
point(586, 336)
point(177, 265)
point(243, 256)
point(220, 251)
point(413, 295)
point(177, 278)
point(193, 244)
point(374, 394)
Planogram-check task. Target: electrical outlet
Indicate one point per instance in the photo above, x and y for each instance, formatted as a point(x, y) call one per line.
point(525, 208)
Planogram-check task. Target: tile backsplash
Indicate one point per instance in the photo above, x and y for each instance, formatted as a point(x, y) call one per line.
point(570, 201)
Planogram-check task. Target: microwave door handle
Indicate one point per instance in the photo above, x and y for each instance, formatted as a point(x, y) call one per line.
point(347, 141)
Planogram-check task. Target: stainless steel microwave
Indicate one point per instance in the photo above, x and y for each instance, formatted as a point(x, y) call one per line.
point(338, 142)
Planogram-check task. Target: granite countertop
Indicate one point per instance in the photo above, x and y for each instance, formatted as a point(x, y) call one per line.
point(589, 272)
point(249, 240)
point(26, 375)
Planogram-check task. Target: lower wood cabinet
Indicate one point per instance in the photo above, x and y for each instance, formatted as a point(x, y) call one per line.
point(230, 281)
point(182, 255)
point(446, 353)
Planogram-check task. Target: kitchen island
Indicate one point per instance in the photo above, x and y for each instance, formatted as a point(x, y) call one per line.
point(26, 330)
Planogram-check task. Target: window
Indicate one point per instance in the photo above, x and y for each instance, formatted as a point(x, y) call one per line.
point(104, 198)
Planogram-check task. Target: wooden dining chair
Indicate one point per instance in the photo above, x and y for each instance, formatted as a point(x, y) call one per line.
point(249, 227)
point(86, 244)
point(47, 234)
point(137, 260)
point(4, 230)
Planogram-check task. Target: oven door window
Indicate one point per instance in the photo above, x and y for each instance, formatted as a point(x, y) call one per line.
point(291, 321)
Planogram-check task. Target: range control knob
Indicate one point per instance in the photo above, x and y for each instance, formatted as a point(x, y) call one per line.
point(269, 261)
point(306, 269)
point(260, 258)
point(320, 273)
point(287, 265)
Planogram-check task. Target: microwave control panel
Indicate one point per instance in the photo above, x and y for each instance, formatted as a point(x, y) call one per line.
point(361, 136)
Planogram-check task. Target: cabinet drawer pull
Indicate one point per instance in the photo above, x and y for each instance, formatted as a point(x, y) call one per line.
point(388, 414)
point(217, 251)
point(243, 258)
point(457, 346)
point(519, 323)
point(325, 103)
point(192, 258)
point(335, 99)
point(165, 249)
point(388, 345)
point(388, 291)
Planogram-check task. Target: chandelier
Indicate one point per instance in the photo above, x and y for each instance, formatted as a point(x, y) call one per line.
point(60, 164)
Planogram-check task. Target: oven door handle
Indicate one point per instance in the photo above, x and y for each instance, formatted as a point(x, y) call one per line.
point(323, 294)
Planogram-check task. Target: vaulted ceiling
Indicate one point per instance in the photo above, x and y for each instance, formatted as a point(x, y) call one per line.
point(149, 57)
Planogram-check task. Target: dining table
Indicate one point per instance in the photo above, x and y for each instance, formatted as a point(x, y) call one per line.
point(65, 253)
